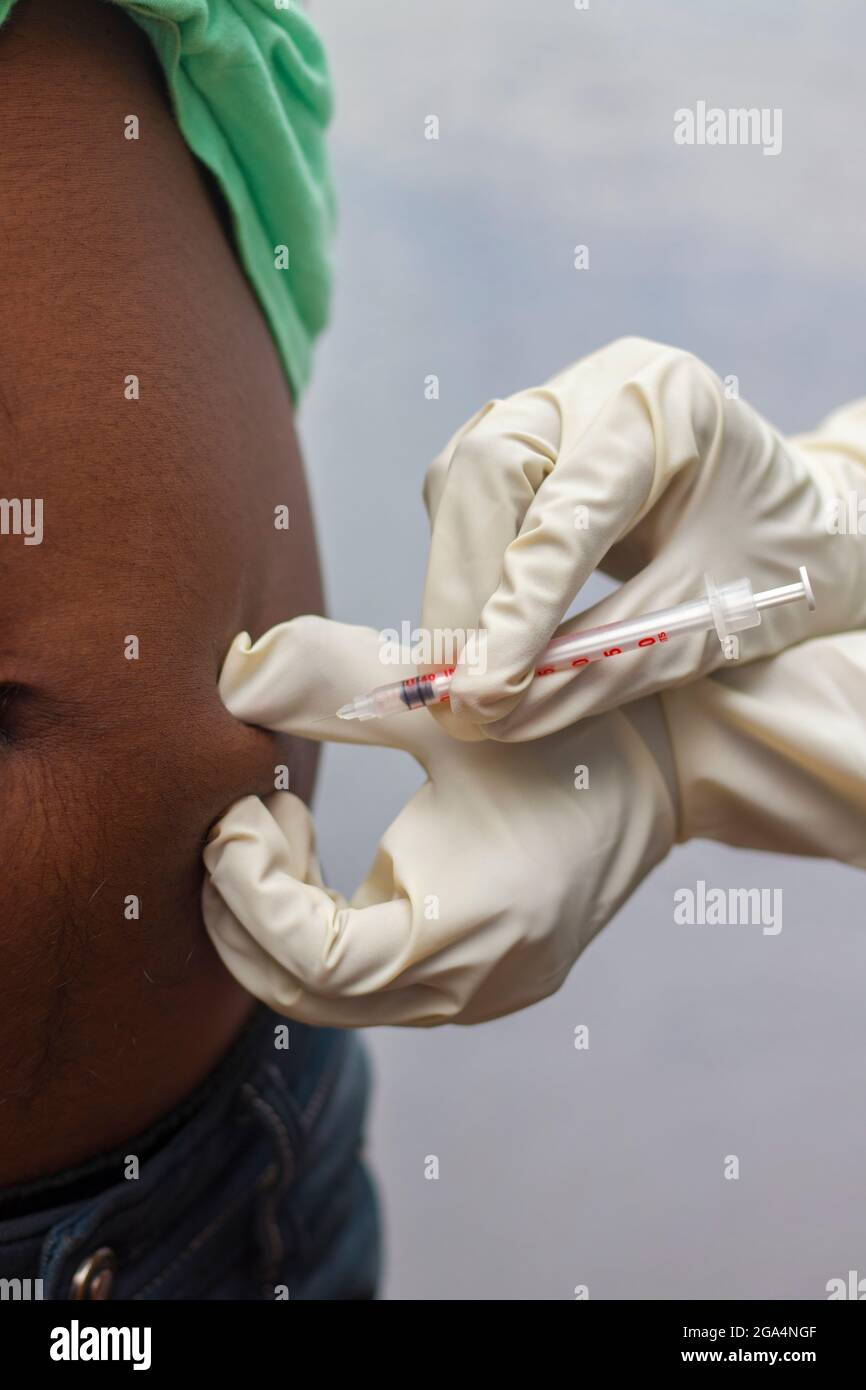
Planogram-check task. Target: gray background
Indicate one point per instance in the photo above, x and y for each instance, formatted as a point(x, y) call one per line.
point(604, 1167)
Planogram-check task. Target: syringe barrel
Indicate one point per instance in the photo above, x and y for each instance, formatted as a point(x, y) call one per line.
point(728, 608)
point(611, 639)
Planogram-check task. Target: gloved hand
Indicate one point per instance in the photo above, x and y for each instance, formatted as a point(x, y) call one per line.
point(773, 755)
point(676, 480)
point(499, 871)
point(485, 888)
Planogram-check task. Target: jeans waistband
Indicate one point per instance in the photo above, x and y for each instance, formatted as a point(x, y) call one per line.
point(200, 1149)
point(89, 1178)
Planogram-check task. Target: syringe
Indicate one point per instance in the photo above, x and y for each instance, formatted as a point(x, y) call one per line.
point(728, 608)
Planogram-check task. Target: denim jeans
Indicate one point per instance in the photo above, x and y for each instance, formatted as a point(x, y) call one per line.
point(253, 1189)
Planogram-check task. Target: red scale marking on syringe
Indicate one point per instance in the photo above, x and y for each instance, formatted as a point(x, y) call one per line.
point(649, 641)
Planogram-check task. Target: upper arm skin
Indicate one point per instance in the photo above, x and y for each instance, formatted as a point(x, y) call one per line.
point(158, 524)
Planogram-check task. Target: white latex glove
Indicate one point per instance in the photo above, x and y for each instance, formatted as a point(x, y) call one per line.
point(677, 480)
point(485, 888)
point(773, 755)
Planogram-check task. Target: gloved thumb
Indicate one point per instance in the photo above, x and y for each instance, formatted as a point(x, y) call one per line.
point(289, 940)
point(262, 865)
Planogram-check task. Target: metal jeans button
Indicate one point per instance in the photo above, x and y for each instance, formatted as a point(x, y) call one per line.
point(94, 1277)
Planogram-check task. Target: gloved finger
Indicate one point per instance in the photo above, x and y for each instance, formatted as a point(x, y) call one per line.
point(295, 945)
point(558, 700)
point(479, 501)
point(298, 674)
point(588, 383)
point(411, 1006)
point(437, 473)
point(477, 493)
point(603, 483)
point(672, 577)
point(533, 574)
